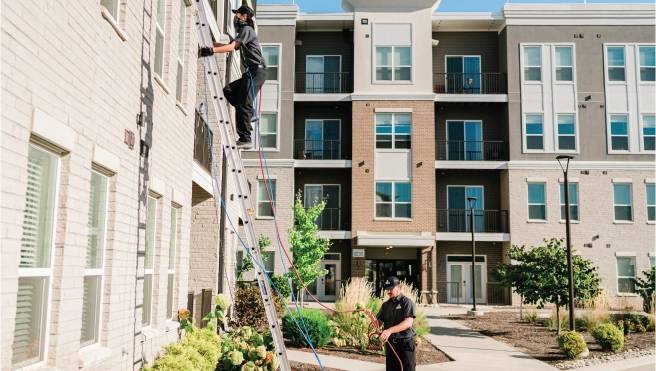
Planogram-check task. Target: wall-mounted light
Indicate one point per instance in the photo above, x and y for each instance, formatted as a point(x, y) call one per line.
point(419, 164)
point(435, 42)
point(364, 21)
point(361, 164)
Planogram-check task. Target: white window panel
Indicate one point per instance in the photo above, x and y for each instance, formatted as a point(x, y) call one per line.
point(179, 83)
point(263, 204)
point(151, 226)
point(537, 206)
point(534, 129)
point(573, 201)
point(160, 36)
point(622, 202)
point(651, 202)
point(393, 200)
point(532, 63)
point(625, 272)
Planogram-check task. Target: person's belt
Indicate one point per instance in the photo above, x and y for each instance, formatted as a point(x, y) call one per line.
point(256, 66)
point(399, 340)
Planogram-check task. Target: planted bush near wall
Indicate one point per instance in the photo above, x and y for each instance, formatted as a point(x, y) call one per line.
point(198, 351)
point(609, 337)
point(316, 323)
point(572, 344)
point(247, 350)
point(250, 308)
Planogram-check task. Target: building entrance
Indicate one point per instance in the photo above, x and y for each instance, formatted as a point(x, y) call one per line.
point(376, 271)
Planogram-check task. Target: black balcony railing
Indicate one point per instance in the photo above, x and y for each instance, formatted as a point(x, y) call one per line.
point(498, 294)
point(332, 219)
point(201, 144)
point(470, 83)
point(323, 82)
point(317, 149)
point(471, 150)
point(486, 221)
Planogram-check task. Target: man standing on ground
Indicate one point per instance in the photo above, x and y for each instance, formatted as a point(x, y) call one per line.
point(240, 92)
point(397, 314)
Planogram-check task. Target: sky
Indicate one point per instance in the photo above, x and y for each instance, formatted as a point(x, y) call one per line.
point(313, 6)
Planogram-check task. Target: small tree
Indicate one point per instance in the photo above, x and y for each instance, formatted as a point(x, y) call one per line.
point(540, 275)
point(307, 247)
point(645, 288)
point(247, 262)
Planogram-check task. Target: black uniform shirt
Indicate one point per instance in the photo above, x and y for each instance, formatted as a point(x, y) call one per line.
point(395, 311)
point(250, 47)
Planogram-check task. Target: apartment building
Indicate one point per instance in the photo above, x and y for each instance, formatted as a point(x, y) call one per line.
point(110, 221)
point(397, 114)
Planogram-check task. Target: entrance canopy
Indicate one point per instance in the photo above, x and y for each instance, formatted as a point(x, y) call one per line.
point(396, 239)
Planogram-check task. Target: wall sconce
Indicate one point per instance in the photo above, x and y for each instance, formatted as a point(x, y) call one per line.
point(419, 164)
point(361, 164)
point(594, 238)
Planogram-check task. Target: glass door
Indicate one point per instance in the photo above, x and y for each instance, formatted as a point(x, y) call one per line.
point(455, 283)
point(328, 284)
point(459, 279)
point(329, 220)
point(459, 214)
point(322, 140)
point(323, 74)
point(480, 293)
point(463, 74)
point(465, 140)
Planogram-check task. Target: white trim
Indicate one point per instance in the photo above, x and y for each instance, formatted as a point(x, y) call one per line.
point(161, 83)
point(650, 181)
point(498, 98)
point(305, 97)
point(622, 180)
point(651, 254)
point(477, 165)
point(392, 96)
point(271, 163)
point(108, 17)
point(571, 180)
point(178, 197)
point(392, 110)
point(335, 235)
point(466, 236)
point(400, 239)
point(53, 130)
point(260, 177)
point(181, 108)
point(91, 355)
point(536, 179)
point(581, 165)
point(202, 178)
point(579, 14)
point(157, 185)
point(346, 164)
point(621, 254)
point(106, 159)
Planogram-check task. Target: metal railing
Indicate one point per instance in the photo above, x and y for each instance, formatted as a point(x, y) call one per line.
point(317, 149)
point(497, 294)
point(323, 82)
point(486, 221)
point(470, 83)
point(201, 145)
point(470, 150)
point(331, 219)
point(449, 292)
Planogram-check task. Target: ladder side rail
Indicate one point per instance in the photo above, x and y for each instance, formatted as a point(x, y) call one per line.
point(238, 176)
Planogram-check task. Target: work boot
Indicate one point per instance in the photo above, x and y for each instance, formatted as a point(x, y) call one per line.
point(244, 144)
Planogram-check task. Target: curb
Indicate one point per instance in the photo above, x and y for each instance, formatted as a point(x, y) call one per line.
point(620, 365)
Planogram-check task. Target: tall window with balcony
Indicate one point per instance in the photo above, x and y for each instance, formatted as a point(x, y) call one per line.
point(324, 74)
point(459, 213)
point(322, 141)
point(181, 49)
point(160, 38)
point(464, 140)
point(93, 270)
point(463, 74)
point(329, 220)
point(36, 258)
point(151, 225)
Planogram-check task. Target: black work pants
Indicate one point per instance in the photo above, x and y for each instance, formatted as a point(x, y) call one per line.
point(239, 94)
point(406, 352)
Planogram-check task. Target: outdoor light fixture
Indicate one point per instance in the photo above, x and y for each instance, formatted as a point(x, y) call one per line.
point(568, 238)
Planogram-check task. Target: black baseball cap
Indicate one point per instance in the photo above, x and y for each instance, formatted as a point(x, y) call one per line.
point(245, 10)
point(391, 282)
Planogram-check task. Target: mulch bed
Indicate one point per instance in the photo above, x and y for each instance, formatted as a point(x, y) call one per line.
point(536, 340)
point(426, 354)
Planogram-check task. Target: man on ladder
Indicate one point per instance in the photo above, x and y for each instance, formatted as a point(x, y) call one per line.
point(242, 92)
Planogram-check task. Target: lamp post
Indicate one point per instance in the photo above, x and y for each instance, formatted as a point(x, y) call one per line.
point(568, 238)
point(472, 203)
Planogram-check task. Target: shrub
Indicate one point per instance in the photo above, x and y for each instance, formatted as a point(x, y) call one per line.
point(246, 349)
point(572, 344)
point(198, 351)
point(609, 337)
point(250, 309)
point(645, 288)
point(282, 285)
point(531, 317)
point(351, 328)
point(420, 324)
point(316, 324)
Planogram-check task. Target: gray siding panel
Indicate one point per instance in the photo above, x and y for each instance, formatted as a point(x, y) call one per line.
point(489, 179)
point(324, 111)
point(485, 44)
point(323, 43)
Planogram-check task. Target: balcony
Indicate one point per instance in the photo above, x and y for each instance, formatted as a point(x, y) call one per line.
point(470, 83)
point(323, 83)
point(201, 144)
point(458, 221)
point(332, 219)
point(470, 150)
point(318, 150)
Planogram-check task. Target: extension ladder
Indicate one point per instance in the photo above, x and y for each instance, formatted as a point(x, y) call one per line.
point(236, 170)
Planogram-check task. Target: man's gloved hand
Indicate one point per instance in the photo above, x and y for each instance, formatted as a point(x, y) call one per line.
point(205, 51)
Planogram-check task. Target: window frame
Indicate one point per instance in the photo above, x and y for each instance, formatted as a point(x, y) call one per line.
point(643, 136)
point(554, 66)
point(630, 204)
point(607, 66)
point(392, 66)
point(258, 133)
point(526, 135)
point(528, 203)
point(617, 273)
point(182, 33)
point(161, 29)
point(647, 186)
point(118, 10)
point(150, 271)
point(100, 271)
point(279, 46)
point(260, 183)
point(45, 273)
point(323, 58)
point(563, 209)
point(639, 66)
point(610, 135)
point(393, 134)
point(524, 65)
point(557, 136)
point(393, 203)
point(256, 141)
point(173, 240)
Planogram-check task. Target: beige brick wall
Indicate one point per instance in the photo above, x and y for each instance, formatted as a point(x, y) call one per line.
point(596, 218)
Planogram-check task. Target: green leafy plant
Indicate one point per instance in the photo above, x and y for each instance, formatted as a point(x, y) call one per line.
point(595, 313)
point(221, 303)
point(531, 317)
point(540, 275)
point(200, 350)
point(247, 263)
point(250, 308)
point(351, 328)
point(186, 321)
point(246, 349)
point(628, 322)
point(645, 288)
point(282, 285)
point(609, 337)
point(572, 344)
point(316, 323)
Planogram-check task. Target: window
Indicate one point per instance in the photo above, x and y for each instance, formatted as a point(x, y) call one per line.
point(323, 74)
point(652, 261)
point(151, 225)
point(573, 201)
point(93, 270)
point(619, 133)
point(271, 54)
point(268, 257)
point(393, 200)
point(459, 213)
point(534, 132)
point(393, 63)
point(268, 130)
point(615, 62)
point(647, 63)
point(269, 260)
point(537, 208)
point(564, 63)
point(181, 49)
point(625, 272)
point(649, 132)
point(159, 38)
point(112, 7)
point(35, 267)
point(464, 140)
point(463, 74)
point(532, 63)
point(329, 217)
point(651, 202)
point(622, 202)
point(393, 130)
point(322, 140)
point(171, 266)
point(566, 132)
point(263, 204)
